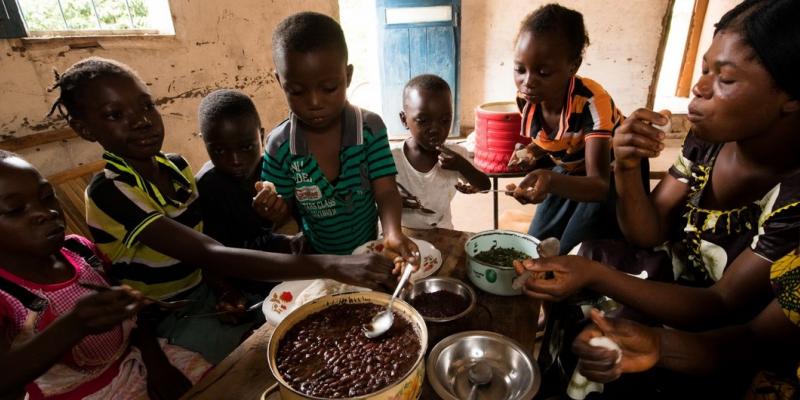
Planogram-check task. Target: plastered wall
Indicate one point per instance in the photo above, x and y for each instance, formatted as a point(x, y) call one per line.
point(226, 44)
point(217, 44)
point(625, 36)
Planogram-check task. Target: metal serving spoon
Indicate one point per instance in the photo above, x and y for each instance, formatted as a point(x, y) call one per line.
point(479, 374)
point(382, 321)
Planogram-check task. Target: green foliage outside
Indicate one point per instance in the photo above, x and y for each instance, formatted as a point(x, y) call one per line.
point(46, 15)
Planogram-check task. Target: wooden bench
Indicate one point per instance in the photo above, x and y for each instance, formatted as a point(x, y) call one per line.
point(70, 187)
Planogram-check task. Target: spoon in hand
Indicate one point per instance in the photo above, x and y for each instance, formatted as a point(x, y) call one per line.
point(546, 248)
point(166, 305)
point(383, 320)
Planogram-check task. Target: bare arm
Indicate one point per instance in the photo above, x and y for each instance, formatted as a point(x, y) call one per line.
point(645, 221)
point(183, 243)
point(390, 204)
point(595, 185)
point(769, 336)
point(390, 209)
point(592, 187)
point(20, 367)
point(742, 291)
point(451, 160)
point(93, 314)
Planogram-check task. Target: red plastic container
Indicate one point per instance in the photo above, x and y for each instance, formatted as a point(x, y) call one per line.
point(497, 132)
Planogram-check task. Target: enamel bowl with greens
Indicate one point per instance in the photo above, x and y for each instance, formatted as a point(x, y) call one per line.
point(489, 256)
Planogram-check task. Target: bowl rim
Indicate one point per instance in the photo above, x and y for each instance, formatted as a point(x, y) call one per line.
point(444, 343)
point(470, 258)
point(272, 355)
point(473, 298)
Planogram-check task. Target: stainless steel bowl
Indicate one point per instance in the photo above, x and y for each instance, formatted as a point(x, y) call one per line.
point(452, 285)
point(514, 375)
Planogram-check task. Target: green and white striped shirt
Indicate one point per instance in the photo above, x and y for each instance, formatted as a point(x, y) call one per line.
point(338, 216)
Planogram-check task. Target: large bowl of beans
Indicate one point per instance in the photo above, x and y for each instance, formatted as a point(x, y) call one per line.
point(319, 351)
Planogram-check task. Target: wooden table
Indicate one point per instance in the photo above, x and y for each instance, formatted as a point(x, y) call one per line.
point(244, 374)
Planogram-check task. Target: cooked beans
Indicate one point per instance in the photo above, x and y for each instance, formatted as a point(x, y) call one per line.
point(439, 304)
point(327, 354)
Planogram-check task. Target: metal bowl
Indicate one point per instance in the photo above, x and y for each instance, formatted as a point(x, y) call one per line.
point(515, 376)
point(452, 285)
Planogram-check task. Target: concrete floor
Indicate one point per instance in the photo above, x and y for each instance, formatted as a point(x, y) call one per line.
point(473, 212)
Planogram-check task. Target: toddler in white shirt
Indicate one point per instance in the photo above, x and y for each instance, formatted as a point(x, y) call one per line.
point(428, 171)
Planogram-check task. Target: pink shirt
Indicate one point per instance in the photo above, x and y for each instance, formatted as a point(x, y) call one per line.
point(91, 355)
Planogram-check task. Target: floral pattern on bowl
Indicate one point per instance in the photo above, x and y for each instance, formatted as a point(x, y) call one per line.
point(281, 300)
point(431, 256)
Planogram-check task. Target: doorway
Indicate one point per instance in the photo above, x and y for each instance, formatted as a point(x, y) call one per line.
point(416, 37)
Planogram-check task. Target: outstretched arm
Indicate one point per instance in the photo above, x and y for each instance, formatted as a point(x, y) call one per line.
point(183, 243)
point(644, 220)
point(390, 208)
point(743, 290)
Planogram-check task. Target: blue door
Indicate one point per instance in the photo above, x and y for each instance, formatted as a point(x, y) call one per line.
point(416, 37)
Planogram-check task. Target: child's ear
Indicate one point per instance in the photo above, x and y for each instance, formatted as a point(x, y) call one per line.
point(576, 64)
point(82, 129)
point(403, 119)
point(349, 74)
point(261, 134)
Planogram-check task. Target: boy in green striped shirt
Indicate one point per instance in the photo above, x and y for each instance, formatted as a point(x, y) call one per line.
point(329, 160)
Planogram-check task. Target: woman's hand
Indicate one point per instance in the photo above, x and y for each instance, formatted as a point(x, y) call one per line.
point(401, 250)
point(637, 138)
point(369, 270)
point(570, 274)
point(268, 204)
point(103, 311)
point(639, 344)
point(533, 188)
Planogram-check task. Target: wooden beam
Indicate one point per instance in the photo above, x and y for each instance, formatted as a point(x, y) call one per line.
point(692, 44)
point(37, 139)
point(77, 172)
point(666, 26)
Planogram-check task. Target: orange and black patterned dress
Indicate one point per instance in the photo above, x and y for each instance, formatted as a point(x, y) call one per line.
point(785, 279)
